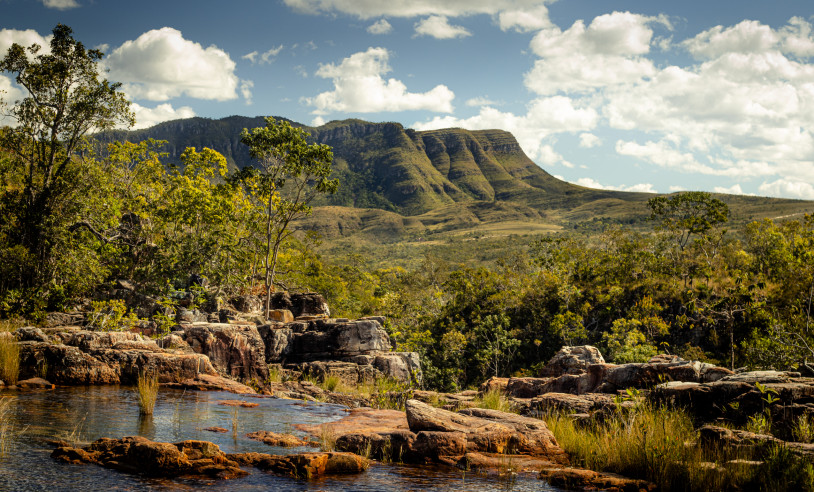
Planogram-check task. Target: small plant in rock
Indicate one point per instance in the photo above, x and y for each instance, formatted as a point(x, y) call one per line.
point(147, 392)
point(803, 430)
point(494, 399)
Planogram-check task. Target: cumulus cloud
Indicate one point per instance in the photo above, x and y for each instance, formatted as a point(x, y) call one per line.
point(788, 188)
point(24, 38)
point(589, 140)
point(161, 65)
point(640, 187)
point(360, 88)
point(369, 9)
point(525, 20)
point(60, 4)
point(246, 90)
point(732, 190)
point(147, 117)
point(480, 101)
point(544, 117)
point(438, 27)
point(381, 26)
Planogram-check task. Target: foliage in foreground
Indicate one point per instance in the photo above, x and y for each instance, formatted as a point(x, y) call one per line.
point(659, 444)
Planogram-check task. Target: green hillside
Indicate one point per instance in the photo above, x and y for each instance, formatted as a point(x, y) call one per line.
point(397, 183)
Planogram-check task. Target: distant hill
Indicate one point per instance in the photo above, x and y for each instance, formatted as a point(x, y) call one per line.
point(397, 183)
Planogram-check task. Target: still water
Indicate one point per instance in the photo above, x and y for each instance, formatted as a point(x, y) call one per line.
point(84, 414)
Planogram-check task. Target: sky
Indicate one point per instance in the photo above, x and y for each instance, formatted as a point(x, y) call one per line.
point(636, 95)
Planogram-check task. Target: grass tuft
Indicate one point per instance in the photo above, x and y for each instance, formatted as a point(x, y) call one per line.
point(6, 427)
point(9, 359)
point(147, 392)
point(494, 399)
point(327, 438)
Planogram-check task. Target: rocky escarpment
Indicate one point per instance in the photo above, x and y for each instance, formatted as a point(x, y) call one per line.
point(209, 355)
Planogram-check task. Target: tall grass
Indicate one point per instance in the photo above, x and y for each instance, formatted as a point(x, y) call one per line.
point(494, 399)
point(9, 359)
point(147, 392)
point(659, 444)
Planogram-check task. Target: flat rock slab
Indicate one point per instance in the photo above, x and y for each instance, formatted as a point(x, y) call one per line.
point(280, 440)
point(238, 403)
point(361, 421)
point(207, 382)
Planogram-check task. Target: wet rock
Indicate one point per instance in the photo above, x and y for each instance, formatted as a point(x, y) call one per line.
point(209, 382)
point(280, 440)
point(304, 465)
point(572, 360)
point(157, 459)
point(35, 383)
point(579, 479)
point(235, 350)
point(393, 446)
point(238, 403)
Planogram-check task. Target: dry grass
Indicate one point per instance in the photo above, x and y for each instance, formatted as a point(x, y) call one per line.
point(494, 399)
point(147, 392)
point(9, 358)
point(327, 438)
point(660, 445)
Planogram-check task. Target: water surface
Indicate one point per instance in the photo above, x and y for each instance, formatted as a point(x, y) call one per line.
point(84, 414)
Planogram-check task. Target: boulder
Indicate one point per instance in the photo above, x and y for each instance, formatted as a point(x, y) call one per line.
point(334, 341)
point(391, 446)
point(572, 360)
point(156, 459)
point(401, 366)
point(563, 402)
point(279, 440)
point(247, 304)
point(494, 384)
point(235, 350)
point(532, 436)
point(308, 304)
point(348, 372)
point(304, 465)
point(281, 316)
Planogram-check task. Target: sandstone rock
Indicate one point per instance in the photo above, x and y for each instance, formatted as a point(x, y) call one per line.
point(208, 382)
point(393, 446)
point(280, 440)
point(234, 350)
point(35, 383)
point(304, 465)
point(158, 459)
point(247, 304)
point(278, 342)
point(435, 445)
point(31, 334)
point(401, 366)
point(281, 316)
point(562, 402)
point(579, 479)
point(308, 304)
point(238, 403)
point(531, 436)
point(572, 360)
point(348, 372)
point(333, 341)
point(63, 319)
point(494, 383)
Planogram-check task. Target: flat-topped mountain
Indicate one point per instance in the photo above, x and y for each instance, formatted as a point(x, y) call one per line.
point(395, 180)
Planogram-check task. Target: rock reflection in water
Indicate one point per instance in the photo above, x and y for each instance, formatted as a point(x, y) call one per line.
point(84, 414)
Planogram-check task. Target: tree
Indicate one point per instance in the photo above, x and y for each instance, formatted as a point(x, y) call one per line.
point(290, 174)
point(688, 214)
point(66, 100)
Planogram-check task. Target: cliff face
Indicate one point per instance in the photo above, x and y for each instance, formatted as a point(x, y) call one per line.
point(384, 165)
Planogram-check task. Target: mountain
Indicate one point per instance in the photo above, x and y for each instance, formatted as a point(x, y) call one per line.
point(397, 182)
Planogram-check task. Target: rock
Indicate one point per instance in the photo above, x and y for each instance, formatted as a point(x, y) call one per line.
point(35, 383)
point(208, 382)
point(483, 431)
point(280, 440)
point(572, 360)
point(392, 446)
point(157, 459)
point(763, 377)
point(348, 372)
point(362, 421)
point(494, 383)
point(401, 366)
point(247, 304)
point(579, 479)
point(334, 341)
point(235, 350)
point(238, 403)
point(63, 319)
point(308, 304)
point(216, 429)
point(278, 342)
point(281, 316)
point(31, 334)
point(562, 402)
point(437, 445)
point(304, 465)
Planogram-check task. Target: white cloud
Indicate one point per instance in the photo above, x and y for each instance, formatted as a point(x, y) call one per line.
point(318, 121)
point(544, 117)
point(640, 187)
point(246, 90)
point(732, 190)
point(369, 9)
point(674, 189)
point(438, 26)
point(480, 101)
point(360, 88)
point(161, 65)
point(147, 117)
point(8, 91)
point(60, 4)
point(381, 26)
point(267, 56)
point(589, 140)
point(524, 20)
point(301, 71)
point(252, 57)
point(24, 38)
point(747, 37)
point(788, 188)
